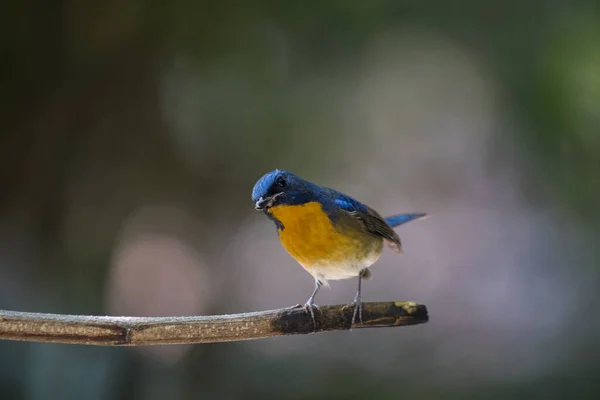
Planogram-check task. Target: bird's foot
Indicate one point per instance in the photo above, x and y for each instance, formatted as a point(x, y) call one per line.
point(310, 308)
point(357, 305)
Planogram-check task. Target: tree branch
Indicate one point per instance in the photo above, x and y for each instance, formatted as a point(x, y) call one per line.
point(138, 331)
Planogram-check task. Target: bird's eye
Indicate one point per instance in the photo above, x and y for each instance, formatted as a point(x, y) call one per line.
point(281, 182)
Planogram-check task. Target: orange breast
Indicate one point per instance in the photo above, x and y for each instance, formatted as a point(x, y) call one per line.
point(311, 238)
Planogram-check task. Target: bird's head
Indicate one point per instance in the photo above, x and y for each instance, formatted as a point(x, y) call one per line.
point(281, 187)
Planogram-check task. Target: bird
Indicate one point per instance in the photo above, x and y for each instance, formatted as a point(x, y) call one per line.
point(330, 234)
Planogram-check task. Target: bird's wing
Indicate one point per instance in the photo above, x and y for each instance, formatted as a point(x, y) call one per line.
point(370, 220)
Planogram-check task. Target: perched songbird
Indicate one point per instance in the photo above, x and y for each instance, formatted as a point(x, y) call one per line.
point(330, 234)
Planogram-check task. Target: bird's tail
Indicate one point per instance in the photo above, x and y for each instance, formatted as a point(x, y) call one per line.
point(400, 219)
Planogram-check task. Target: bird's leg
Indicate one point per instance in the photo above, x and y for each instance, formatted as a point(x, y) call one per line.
point(357, 300)
point(310, 306)
point(309, 303)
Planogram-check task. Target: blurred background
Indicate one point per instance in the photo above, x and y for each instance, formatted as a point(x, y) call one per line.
point(133, 132)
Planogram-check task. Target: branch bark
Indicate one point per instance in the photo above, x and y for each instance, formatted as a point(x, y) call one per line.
point(139, 331)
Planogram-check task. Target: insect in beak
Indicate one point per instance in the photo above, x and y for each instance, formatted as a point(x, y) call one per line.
point(266, 202)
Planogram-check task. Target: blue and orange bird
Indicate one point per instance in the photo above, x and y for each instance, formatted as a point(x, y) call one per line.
point(330, 234)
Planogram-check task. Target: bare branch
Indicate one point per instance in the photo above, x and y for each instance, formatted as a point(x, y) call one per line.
point(138, 331)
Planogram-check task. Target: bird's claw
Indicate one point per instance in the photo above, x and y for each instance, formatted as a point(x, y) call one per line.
point(357, 305)
point(310, 308)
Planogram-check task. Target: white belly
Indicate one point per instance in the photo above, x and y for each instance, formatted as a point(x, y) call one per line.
point(335, 271)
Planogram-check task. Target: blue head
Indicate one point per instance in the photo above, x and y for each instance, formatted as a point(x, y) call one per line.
point(281, 187)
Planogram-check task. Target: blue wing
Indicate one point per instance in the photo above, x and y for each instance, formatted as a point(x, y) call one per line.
point(370, 220)
point(373, 223)
point(347, 203)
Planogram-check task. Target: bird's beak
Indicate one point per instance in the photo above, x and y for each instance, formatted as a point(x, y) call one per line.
point(266, 202)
